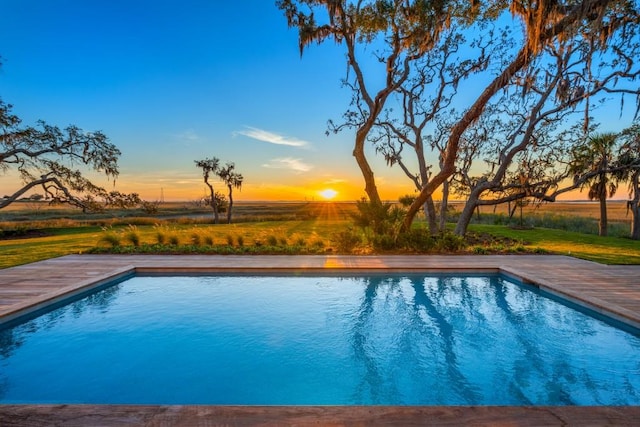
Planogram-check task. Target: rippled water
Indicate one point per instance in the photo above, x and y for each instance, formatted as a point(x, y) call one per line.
point(390, 340)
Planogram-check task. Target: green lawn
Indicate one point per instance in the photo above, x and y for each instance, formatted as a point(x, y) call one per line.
point(316, 234)
point(74, 240)
point(606, 250)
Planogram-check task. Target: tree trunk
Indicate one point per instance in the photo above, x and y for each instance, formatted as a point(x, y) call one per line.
point(444, 206)
point(430, 212)
point(367, 173)
point(634, 206)
point(467, 213)
point(213, 203)
point(230, 205)
point(602, 225)
point(635, 220)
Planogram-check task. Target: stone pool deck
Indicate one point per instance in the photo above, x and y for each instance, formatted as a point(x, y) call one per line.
point(612, 290)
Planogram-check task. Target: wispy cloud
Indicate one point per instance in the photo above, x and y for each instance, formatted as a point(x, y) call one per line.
point(270, 137)
point(290, 163)
point(334, 181)
point(188, 136)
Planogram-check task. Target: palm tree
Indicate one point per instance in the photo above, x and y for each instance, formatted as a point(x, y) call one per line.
point(209, 167)
point(591, 168)
point(232, 180)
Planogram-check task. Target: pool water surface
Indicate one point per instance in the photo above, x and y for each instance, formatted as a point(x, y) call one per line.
point(399, 339)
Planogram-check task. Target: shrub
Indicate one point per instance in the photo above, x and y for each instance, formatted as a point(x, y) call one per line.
point(272, 241)
point(174, 240)
point(208, 240)
point(229, 240)
point(283, 241)
point(240, 240)
point(300, 242)
point(382, 218)
point(196, 240)
point(449, 242)
point(384, 242)
point(416, 239)
point(347, 240)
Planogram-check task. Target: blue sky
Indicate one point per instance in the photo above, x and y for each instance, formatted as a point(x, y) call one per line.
point(174, 81)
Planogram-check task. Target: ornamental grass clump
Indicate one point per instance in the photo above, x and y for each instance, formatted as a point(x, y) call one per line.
point(132, 236)
point(161, 234)
point(110, 238)
point(272, 240)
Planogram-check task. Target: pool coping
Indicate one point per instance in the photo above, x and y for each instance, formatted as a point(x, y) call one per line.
point(610, 290)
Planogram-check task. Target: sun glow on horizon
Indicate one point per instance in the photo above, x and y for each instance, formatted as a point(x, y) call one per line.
point(328, 194)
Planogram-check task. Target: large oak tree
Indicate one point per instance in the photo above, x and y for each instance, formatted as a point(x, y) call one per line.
point(49, 158)
point(408, 30)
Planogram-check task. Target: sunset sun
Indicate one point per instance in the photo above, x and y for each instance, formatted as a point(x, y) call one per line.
point(328, 194)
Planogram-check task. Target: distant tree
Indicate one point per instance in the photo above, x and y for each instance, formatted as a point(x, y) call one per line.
point(210, 168)
point(45, 156)
point(406, 200)
point(121, 200)
point(597, 156)
point(629, 161)
point(231, 179)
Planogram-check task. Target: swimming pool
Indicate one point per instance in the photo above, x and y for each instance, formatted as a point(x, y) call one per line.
point(399, 339)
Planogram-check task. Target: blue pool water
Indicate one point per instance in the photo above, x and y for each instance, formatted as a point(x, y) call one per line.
point(394, 340)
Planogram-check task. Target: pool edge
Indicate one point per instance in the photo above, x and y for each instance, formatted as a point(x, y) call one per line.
point(42, 302)
point(117, 415)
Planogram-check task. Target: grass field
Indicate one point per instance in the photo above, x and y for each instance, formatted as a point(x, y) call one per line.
point(36, 232)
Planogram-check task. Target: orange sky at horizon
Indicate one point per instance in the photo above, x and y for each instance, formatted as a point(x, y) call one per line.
point(152, 188)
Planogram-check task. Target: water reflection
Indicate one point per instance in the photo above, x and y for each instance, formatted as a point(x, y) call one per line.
point(12, 338)
point(481, 340)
